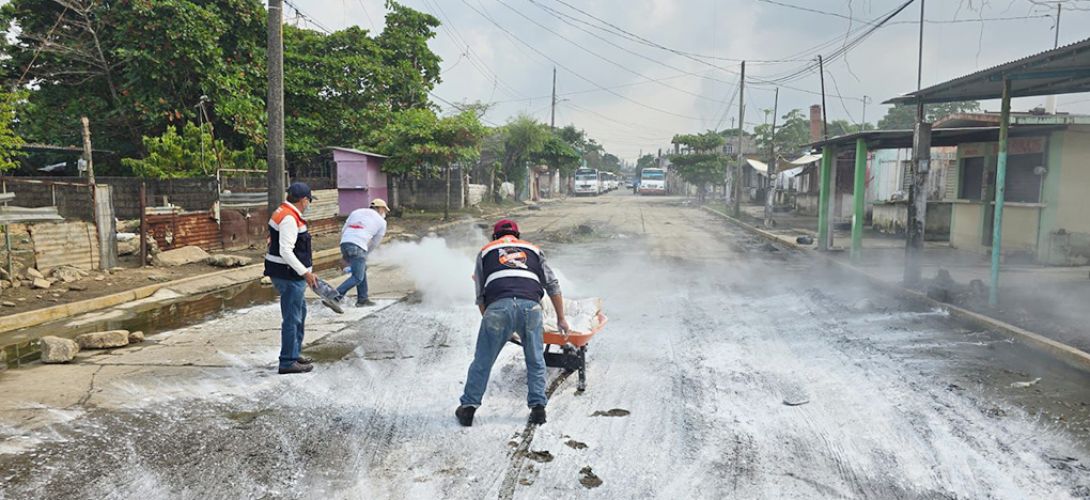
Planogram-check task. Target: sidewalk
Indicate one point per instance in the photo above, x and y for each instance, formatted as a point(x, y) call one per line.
point(130, 296)
point(1051, 301)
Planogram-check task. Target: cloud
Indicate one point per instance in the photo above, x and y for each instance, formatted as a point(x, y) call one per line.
point(883, 66)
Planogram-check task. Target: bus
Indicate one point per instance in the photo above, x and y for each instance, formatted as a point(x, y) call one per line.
point(609, 181)
point(652, 181)
point(587, 182)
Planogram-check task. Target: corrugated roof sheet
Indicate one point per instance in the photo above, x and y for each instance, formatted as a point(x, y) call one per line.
point(1063, 70)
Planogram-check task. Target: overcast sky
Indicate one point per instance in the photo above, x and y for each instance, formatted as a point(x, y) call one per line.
point(483, 62)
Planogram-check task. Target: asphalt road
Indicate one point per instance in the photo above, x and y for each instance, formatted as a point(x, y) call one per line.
point(712, 332)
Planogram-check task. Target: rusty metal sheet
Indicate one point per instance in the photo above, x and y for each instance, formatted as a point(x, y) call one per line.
point(64, 244)
point(186, 229)
point(244, 227)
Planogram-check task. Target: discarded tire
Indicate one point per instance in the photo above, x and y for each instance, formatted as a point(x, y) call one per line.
point(804, 240)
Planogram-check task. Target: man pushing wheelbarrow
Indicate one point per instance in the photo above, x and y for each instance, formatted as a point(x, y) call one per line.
point(511, 278)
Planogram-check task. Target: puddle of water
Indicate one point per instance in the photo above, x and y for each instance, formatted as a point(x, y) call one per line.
point(329, 352)
point(21, 346)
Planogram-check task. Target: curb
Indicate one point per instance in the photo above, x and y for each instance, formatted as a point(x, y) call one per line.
point(1068, 354)
point(37, 317)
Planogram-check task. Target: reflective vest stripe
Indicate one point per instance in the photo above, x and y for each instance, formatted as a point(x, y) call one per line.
point(302, 227)
point(512, 273)
point(510, 244)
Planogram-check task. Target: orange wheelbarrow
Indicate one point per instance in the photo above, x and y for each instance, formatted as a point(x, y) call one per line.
point(571, 354)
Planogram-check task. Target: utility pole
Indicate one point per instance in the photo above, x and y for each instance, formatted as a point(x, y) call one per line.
point(275, 105)
point(824, 115)
point(552, 125)
point(829, 166)
point(917, 193)
point(552, 118)
point(770, 193)
point(736, 184)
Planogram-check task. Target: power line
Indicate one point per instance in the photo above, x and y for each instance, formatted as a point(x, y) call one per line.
point(308, 18)
point(618, 31)
point(574, 73)
point(479, 63)
point(928, 21)
point(615, 63)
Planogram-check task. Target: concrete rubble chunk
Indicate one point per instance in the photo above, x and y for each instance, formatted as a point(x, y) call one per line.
point(34, 273)
point(226, 260)
point(103, 340)
point(40, 283)
point(180, 257)
point(57, 350)
point(67, 274)
point(128, 247)
point(7, 303)
point(136, 337)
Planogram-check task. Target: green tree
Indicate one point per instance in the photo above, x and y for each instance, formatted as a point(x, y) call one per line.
point(338, 86)
point(792, 132)
point(903, 117)
point(419, 143)
point(702, 162)
point(193, 153)
point(135, 67)
point(10, 141)
point(523, 137)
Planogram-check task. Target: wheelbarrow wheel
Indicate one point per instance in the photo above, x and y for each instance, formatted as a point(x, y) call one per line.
point(582, 385)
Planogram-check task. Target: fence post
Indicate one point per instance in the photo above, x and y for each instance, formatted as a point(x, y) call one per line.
point(143, 224)
point(105, 225)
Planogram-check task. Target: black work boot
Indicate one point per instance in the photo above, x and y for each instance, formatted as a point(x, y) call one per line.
point(537, 415)
point(465, 415)
point(296, 367)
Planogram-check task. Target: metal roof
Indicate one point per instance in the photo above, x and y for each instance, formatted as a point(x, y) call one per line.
point(356, 151)
point(1063, 70)
point(902, 139)
point(985, 119)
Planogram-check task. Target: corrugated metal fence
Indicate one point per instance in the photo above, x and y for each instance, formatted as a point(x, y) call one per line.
point(64, 244)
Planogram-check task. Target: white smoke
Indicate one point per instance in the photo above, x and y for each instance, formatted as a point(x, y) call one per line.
point(441, 274)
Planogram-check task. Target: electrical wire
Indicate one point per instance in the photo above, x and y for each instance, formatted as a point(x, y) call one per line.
point(574, 73)
point(619, 65)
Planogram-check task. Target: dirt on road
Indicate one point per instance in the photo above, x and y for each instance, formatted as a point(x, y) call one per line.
point(730, 368)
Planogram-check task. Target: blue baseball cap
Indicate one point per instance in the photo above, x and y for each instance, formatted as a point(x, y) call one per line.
point(300, 190)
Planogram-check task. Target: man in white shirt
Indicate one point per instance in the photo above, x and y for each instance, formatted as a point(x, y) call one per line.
point(361, 235)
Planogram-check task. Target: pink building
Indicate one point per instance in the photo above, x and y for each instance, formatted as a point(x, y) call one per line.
point(359, 179)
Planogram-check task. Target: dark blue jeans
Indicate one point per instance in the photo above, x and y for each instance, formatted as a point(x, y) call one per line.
point(502, 318)
point(293, 313)
point(357, 259)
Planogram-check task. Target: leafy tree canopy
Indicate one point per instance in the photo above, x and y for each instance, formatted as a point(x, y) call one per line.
point(904, 117)
point(193, 153)
point(10, 142)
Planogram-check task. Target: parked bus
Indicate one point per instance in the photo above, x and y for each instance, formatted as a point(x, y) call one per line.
point(609, 181)
point(587, 182)
point(652, 181)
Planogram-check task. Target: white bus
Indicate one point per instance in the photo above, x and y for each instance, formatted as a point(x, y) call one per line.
point(609, 181)
point(587, 182)
point(652, 181)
